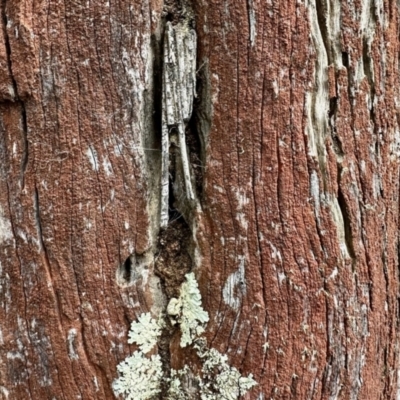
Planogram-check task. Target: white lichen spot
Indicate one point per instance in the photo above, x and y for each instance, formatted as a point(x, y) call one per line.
point(145, 332)
point(337, 217)
point(140, 377)
point(314, 191)
point(235, 286)
point(241, 218)
point(252, 22)
point(96, 383)
point(5, 227)
point(188, 309)
point(4, 391)
point(107, 167)
point(281, 277)
point(118, 150)
point(71, 350)
point(92, 156)
point(265, 347)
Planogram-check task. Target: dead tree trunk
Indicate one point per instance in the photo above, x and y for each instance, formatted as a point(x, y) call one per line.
point(222, 174)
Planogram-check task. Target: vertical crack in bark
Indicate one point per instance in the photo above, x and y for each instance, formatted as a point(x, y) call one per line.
point(321, 8)
point(179, 86)
point(182, 160)
point(173, 262)
point(25, 157)
point(317, 100)
point(328, 12)
point(348, 235)
point(16, 97)
point(39, 229)
point(7, 45)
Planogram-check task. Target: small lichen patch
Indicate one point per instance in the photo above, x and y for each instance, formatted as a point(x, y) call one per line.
point(140, 377)
point(93, 159)
point(5, 228)
point(71, 349)
point(145, 332)
point(176, 391)
point(188, 309)
point(221, 381)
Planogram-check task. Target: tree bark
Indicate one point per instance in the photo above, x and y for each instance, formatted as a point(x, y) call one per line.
point(287, 214)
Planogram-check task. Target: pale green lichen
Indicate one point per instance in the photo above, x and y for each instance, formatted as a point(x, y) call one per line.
point(187, 310)
point(175, 390)
point(220, 381)
point(140, 377)
point(145, 332)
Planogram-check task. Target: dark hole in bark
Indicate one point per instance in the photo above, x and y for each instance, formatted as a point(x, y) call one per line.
point(153, 140)
point(348, 234)
point(321, 9)
point(172, 10)
point(332, 106)
point(174, 154)
point(345, 59)
point(126, 270)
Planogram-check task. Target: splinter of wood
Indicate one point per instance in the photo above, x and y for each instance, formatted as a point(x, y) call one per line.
point(179, 90)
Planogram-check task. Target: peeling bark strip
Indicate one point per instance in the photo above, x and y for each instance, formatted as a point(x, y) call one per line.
point(179, 89)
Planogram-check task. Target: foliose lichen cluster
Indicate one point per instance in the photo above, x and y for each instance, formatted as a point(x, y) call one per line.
point(140, 375)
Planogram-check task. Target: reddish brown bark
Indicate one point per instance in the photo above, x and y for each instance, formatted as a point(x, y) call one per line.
point(294, 142)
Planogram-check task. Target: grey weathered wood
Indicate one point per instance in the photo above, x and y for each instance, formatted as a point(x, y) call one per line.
point(179, 88)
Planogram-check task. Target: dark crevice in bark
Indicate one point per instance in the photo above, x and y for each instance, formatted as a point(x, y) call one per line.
point(345, 60)
point(15, 98)
point(336, 142)
point(151, 135)
point(131, 270)
point(175, 244)
point(193, 143)
point(178, 10)
point(173, 262)
point(348, 235)
point(321, 9)
point(369, 73)
point(126, 270)
point(350, 81)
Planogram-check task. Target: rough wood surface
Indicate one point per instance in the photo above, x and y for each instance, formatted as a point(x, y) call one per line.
point(74, 191)
point(294, 149)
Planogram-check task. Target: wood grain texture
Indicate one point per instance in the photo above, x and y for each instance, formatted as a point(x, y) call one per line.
point(301, 231)
point(74, 192)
